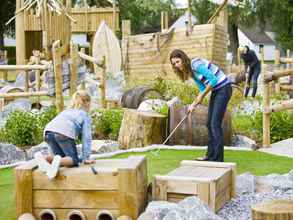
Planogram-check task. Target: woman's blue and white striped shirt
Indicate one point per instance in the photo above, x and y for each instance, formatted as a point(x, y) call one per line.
point(206, 73)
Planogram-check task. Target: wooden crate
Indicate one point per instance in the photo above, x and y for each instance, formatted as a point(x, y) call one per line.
point(120, 186)
point(212, 182)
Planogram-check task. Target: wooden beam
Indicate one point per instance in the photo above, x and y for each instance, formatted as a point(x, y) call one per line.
point(90, 58)
point(285, 105)
point(23, 94)
point(286, 87)
point(286, 60)
point(23, 67)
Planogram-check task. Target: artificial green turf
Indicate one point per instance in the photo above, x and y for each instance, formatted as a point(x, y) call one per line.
point(247, 161)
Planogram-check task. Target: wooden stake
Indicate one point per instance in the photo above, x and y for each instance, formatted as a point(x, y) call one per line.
point(38, 74)
point(103, 84)
point(277, 64)
point(73, 67)
point(266, 116)
point(57, 61)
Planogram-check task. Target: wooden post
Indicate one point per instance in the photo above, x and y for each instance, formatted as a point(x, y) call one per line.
point(24, 188)
point(26, 81)
point(5, 72)
point(277, 65)
point(266, 116)
point(73, 67)
point(114, 16)
point(20, 34)
point(189, 17)
point(239, 58)
point(103, 84)
point(288, 53)
point(166, 21)
point(162, 21)
point(57, 61)
point(38, 74)
point(126, 28)
point(262, 56)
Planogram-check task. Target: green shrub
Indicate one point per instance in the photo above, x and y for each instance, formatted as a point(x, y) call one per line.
point(281, 125)
point(252, 126)
point(171, 88)
point(22, 129)
point(106, 123)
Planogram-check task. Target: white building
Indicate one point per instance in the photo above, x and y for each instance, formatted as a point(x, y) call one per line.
point(256, 40)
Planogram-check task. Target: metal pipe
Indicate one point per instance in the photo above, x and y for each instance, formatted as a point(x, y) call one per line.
point(105, 215)
point(47, 214)
point(76, 215)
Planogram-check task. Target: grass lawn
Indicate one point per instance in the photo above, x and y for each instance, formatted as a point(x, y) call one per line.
point(255, 162)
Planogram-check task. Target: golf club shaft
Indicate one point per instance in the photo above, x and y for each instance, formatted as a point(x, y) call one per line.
point(170, 135)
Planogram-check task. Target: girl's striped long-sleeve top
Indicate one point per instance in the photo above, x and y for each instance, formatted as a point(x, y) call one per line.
point(206, 73)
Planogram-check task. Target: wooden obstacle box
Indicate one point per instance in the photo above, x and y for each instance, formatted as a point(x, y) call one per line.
point(212, 182)
point(116, 187)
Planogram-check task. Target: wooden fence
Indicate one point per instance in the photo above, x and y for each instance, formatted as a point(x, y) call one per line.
point(268, 79)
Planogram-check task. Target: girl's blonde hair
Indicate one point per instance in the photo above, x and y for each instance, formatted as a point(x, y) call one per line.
point(79, 99)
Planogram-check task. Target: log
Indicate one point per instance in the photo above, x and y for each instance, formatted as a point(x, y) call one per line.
point(274, 210)
point(139, 129)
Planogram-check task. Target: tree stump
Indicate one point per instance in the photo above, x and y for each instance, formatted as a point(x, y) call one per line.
point(275, 210)
point(139, 129)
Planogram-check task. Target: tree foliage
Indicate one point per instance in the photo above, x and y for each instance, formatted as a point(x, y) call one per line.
point(6, 12)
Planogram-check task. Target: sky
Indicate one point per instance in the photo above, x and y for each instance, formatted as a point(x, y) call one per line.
point(183, 3)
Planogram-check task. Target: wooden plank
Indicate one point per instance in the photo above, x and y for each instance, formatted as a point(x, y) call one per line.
point(160, 189)
point(176, 197)
point(77, 181)
point(23, 67)
point(207, 164)
point(213, 193)
point(87, 199)
point(203, 190)
point(23, 187)
point(90, 214)
point(128, 204)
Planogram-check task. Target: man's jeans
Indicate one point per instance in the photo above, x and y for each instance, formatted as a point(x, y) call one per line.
point(62, 145)
point(217, 108)
point(253, 75)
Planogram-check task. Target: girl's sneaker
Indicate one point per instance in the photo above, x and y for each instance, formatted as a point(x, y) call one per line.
point(52, 172)
point(43, 165)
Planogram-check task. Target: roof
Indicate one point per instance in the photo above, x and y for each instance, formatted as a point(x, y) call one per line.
point(180, 22)
point(256, 35)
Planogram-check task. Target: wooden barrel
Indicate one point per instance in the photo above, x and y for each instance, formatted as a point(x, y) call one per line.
point(193, 130)
point(133, 97)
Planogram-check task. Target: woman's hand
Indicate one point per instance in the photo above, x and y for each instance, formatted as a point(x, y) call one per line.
point(89, 161)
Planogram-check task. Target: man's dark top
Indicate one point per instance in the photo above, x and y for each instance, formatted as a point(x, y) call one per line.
point(250, 59)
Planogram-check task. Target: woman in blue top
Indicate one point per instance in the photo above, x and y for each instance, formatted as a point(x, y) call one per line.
point(208, 78)
point(62, 132)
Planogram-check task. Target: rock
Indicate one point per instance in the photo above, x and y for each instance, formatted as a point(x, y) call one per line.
point(243, 141)
point(157, 210)
point(18, 104)
point(245, 183)
point(174, 101)
point(10, 154)
point(191, 208)
point(104, 146)
point(152, 105)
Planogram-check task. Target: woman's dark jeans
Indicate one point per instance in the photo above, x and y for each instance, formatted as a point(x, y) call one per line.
point(217, 107)
point(62, 145)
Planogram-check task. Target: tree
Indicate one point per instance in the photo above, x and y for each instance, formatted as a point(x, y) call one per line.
point(282, 22)
point(6, 12)
point(202, 10)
